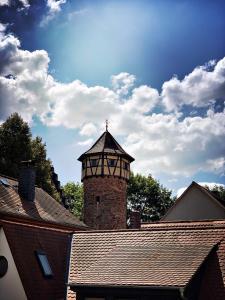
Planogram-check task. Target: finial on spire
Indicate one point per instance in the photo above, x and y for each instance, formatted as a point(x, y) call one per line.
point(106, 124)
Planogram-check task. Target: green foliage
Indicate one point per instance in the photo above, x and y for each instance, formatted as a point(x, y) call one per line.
point(43, 167)
point(143, 193)
point(17, 145)
point(146, 195)
point(218, 191)
point(74, 193)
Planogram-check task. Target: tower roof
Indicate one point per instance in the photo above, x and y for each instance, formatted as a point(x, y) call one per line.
point(106, 144)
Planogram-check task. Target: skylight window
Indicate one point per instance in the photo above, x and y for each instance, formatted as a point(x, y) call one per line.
point(4, 181)
point(44, 263)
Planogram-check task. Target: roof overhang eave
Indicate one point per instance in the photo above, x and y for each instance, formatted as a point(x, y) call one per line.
point(125, 155)
point(132, 286)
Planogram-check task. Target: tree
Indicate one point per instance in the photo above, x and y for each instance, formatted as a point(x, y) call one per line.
point(143, 193)
point(218, 191)
point(74, 194)
point(146, 195)
point(16, 145)
point(43, 167)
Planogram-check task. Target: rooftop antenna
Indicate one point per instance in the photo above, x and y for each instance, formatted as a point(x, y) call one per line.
point(106, 124)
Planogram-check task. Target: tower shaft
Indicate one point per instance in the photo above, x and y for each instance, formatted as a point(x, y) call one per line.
point(105, 205)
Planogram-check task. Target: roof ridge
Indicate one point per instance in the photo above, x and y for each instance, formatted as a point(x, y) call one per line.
point(6, 176)
point(164, 227)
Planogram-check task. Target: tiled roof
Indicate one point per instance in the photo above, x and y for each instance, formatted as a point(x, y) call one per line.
point(166, 255)
point(43, 209)
point(106, 144)
point(23, 242)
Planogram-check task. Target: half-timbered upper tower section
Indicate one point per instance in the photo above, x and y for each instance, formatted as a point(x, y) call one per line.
point(106, 158)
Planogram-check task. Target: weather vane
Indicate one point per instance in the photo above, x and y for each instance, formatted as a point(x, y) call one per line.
point(106, 124)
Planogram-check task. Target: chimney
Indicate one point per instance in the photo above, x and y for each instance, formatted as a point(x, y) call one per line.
point(135, 220)
point(26, 184)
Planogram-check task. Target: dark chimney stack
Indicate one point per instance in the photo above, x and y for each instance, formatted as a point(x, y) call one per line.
point(26, 184)
point(135, 220)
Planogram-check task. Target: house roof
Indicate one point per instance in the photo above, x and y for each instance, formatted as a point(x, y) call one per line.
point(207, 192)
point(212, 194)
point(24, 241)
point(164, 255)
point(108, 145)
point(43, 209)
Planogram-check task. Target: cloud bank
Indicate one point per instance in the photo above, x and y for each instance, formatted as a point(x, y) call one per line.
point(151, 124)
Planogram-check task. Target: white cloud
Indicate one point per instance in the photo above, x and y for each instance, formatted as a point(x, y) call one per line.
point(4, 2)
point(198, 88)
point(88, 129)
point(86, 142)
point(216, 165)
point(23, 79)
point(160, 142)
point(143, 100)
point(25, 3)
point(54, 7)
point(180, 191)
point(77, 13)
point(122, 83)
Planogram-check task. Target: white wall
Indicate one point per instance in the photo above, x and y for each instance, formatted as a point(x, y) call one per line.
point(11, 287)
point(195, 205)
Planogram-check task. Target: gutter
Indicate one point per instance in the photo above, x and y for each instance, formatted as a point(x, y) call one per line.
point(159, 287)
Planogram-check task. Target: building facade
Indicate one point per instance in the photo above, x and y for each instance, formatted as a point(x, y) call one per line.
point(196, 203)
point(35, 237)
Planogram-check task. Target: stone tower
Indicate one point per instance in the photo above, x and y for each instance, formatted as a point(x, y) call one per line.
point(105, 172)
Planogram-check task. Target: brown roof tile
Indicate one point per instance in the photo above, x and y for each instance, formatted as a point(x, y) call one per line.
point(163, 255)
point(44, 208)
point(23, 242)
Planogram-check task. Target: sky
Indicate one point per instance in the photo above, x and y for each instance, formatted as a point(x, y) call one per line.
point(154, 69)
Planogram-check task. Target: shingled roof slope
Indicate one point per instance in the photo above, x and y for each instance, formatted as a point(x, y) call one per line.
point(106, 144)
point(166, 255)
point(24, 241)
point(44, 208)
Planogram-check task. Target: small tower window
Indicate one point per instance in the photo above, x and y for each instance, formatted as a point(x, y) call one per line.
point(83, 165)
point(97, 199)
point(126, 165)
point(112, 162)
point(93, 162)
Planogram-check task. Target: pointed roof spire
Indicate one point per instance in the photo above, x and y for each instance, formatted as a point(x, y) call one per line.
point(106, 144)
point(106, 124)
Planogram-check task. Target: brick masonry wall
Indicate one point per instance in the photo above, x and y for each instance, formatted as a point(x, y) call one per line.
point(105, 205)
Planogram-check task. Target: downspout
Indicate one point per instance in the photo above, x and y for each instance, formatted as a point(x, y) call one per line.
point(182, 294)
point(68, 264)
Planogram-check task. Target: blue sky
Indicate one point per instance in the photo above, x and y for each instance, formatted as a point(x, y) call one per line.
point(155, 69)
